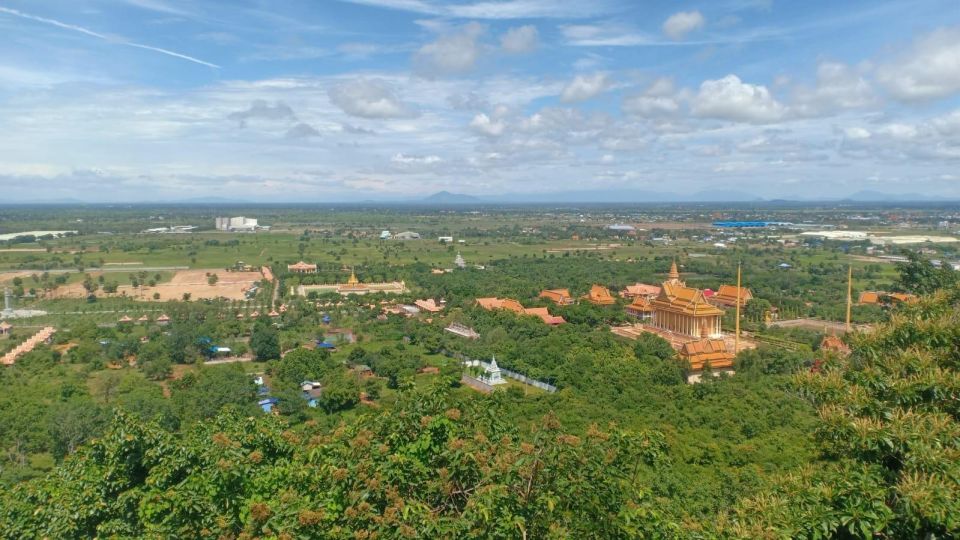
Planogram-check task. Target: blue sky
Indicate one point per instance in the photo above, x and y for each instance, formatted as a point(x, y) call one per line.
point(327, 100)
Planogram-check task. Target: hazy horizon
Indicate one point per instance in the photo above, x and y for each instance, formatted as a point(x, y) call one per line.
point(393, 100)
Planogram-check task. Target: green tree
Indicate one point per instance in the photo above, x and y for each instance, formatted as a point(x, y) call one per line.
point(265, 341)
point(652, 345)
point(889, 436)
point(302, 364)
point(918, 275)
point(202, 394)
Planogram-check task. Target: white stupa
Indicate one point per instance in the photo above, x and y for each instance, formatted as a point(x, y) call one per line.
point(459, 261)
point(491, 374)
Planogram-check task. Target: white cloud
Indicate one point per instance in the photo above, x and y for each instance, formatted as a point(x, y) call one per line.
point(948, 124)
point(856, 133)
point(678, 25)
point(485, 125)
point(838, 87)
point(658, 100)
point(584, 87)
point(731, 99)
point(519, 40)
point(260, 109)
point(451, 54)
point(367, 98)
point(406, 159)
point(898, 131)
point(604, 35)
point(930, 70)
point(647, 106)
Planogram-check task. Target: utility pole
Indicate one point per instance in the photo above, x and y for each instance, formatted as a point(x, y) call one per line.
point(736, 341)
point(849, 293)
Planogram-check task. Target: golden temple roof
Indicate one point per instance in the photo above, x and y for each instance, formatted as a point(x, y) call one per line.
point(678, 298)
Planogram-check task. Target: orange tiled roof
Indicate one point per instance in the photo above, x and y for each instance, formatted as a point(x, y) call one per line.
point(500, 303)
point(640, 289)
point(428, 305)
point(510, 304)
point(557, 296)
point(727, 294)
point(544, 315)
point(678, 298)
point(698, 353)
point(833, 343)
point(869, 297)
point(640, 305)
point(490, 303)
point(302, 267)
point(904, 297)
point(599, 295)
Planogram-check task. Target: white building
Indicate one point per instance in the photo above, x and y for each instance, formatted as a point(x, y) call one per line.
point(407, 235)
point(446, 239)
point(238, 223)
point(385, 235)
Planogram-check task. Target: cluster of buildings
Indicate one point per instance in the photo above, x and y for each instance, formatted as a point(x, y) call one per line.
point(352, 286)
point(405, 235)
point(162, 320)
point(238, 224)
point(173, 229)
point(510, 304)
point(688, 318)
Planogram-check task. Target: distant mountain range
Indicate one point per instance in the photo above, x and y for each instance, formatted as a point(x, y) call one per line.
point(641, 196)
point(619, 196)
point(445, 197)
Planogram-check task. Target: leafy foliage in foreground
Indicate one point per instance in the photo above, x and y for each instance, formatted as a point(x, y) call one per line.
point(429, 469)
point(890, 438)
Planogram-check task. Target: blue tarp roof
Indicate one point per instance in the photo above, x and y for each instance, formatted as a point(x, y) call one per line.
point(326, 345)
point(741, 223)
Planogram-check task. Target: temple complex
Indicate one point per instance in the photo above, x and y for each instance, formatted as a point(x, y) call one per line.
point(726, 296)
point(684, 310)
point(600, 296)
point(707, 351)
point(302, 268)
point(510, 304)
point(354, 286)
point(640, 290)
point(640, 308)
point(561, 297)
point(429, 305)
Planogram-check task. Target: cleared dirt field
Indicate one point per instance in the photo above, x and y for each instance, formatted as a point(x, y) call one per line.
point(230, 285)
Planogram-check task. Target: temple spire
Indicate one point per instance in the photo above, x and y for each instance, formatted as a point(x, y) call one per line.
point(674, 274)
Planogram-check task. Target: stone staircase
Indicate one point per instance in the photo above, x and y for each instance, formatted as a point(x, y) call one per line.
point(28, 345)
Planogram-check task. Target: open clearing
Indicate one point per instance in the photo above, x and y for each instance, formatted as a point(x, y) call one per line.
point(230, 285)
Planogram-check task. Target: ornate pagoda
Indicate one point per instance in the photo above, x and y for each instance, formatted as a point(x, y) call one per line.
point(684, 310)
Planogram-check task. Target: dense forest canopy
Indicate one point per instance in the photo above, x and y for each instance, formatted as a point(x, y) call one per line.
point(627, 450)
